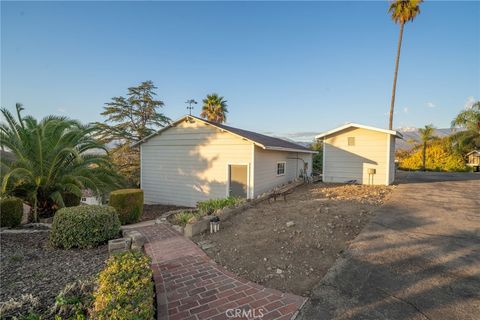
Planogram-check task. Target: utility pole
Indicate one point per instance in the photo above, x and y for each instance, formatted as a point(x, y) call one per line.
point(190, 102)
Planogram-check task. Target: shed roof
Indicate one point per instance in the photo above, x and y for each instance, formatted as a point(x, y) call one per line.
point(360, 126)
point(261, 140)
point(473, 151)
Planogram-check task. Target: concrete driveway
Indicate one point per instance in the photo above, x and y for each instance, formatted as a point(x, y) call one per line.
point(419, 257)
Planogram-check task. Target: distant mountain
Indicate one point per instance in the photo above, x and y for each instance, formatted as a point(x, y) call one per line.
point(301, 143)
point(411, 136)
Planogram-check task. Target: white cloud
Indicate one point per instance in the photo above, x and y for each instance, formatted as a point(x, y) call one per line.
point(431, 104)
point(469, 103)
point(62, 110)
point(405, 109)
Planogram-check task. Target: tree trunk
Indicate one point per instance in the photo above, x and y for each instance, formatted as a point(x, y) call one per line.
point(35, 210)
point(424, 160)
point(397, 61)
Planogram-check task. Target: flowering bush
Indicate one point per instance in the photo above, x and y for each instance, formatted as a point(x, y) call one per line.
point(125, 289)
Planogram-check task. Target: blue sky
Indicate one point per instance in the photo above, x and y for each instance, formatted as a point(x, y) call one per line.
point(291, 69)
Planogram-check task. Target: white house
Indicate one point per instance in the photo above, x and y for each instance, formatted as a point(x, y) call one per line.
point(89, 197)
point(359, 153)
point(194, 159)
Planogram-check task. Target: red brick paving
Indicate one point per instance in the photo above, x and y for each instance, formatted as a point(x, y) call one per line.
point(189, 285)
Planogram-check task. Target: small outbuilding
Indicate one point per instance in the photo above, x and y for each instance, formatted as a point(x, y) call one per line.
point(193, 160)
point(359, 154)
point(473, 160)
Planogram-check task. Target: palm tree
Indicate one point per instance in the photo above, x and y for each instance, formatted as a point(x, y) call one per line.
point(426, 135)
point(53, 157)
point(214, 108)
point(469, 119)
point(402, 11)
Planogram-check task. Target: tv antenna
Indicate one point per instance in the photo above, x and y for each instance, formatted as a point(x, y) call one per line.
point(190, 102)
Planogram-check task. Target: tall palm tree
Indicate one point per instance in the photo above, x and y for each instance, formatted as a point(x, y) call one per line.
point(469, 120)
point(402, 11)
point(426, 135)
point(51, 158)
point(214, 108)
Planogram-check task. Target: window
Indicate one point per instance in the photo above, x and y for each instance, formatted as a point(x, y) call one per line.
point(280, 168)
point(351, 141)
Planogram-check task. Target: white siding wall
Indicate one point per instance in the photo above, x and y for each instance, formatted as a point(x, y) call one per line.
point(344, 163)
point(188, 163)
point(265, 175)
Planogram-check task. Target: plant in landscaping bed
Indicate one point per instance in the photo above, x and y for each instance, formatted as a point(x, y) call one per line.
point(125, 289)
point(15, 308)
point(182, 218)
point(11, 211)
point(128, 203)
point(74, 301)
point(51, 157)
point(84, 226)
point(210, 206)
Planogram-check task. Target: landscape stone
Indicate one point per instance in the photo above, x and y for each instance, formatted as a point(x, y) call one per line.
point(119, 245)
point(192, 229)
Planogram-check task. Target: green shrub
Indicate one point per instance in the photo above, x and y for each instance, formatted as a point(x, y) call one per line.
point(74, 301)
point(11, 211)
point(30, 316)
point(125, 289)
point(183, 217)
point(210, 206)
point(70, 199)
point(84, 226)
point(128, 203)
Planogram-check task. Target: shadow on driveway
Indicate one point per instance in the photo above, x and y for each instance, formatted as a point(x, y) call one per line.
point(419, 257)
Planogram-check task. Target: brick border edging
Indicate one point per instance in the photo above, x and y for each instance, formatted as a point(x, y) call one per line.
point(160, 295)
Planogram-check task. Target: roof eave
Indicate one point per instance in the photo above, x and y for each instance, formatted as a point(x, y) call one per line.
point(233, 133)
point(359, 126)
point(290, 149)
point(159, 131)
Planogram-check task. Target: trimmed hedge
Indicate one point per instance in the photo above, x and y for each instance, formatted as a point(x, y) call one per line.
point(125, 289)
point(84, 226)
point(128, 203)
point(11, 212)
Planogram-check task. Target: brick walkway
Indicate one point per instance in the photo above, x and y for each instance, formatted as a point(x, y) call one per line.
point(190, 285)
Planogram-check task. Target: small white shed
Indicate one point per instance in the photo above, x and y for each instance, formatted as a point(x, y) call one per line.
point(194, 159)
point(359, 153)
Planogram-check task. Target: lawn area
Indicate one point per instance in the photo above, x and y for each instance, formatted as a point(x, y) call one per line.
point(260, 246)
point(29, 265)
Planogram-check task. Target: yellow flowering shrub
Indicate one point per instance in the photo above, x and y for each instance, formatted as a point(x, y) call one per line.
point(440, 157)
point(125, 289)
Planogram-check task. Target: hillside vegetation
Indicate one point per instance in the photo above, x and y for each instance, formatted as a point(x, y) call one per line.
point(440, 156)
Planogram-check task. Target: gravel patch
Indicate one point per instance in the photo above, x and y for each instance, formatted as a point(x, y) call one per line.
point(29, 265)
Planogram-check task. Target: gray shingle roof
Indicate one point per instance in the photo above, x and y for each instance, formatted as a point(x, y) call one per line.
point(267, 141)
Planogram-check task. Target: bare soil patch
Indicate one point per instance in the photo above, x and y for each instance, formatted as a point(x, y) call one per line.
point(154, 211)
point(29, 265)
point(260, 246)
